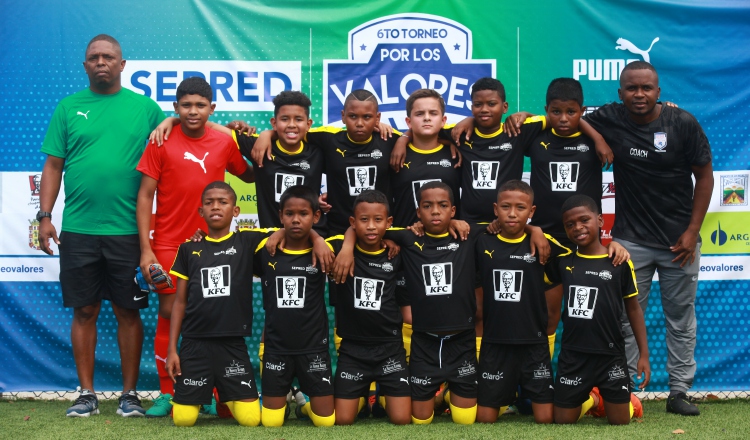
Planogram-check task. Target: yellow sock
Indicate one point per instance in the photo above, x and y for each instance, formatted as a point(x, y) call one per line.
point(361, 404)
point(587, 405)
point(406, 332)
point(479, 345)
point(502, 410)
point(372, 386)
point(246, 413)
point(316, 419)
point(336, 340)
point(632, 410)
point(381, 401)
point(447, 397)
point(261, 350)
point(417, 421)
point(272, 417)
point(185, 415)
point(551, 341)
point(464, 416)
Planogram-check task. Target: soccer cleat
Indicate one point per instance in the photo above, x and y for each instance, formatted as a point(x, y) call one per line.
point(637, 406)
point(209, 410)
point(374, 401)
point(130, 405)
point(162, 406)
point(681, 404)
point(85, 405)
point(298, 413)
point(598, 409)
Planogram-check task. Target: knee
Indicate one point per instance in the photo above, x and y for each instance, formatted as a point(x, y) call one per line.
point(273, 417)
point(463, 416)
point(248, 413)
point(402, 418)
point(127, 317)
point(184, 415)
point(322, 420)
point(86, 314)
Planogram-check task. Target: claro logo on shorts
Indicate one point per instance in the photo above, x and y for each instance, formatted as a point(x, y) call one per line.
point(193, 382)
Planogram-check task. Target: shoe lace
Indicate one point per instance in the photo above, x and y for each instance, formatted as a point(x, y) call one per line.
point(84, 399)
point(131, 399)
point(162, 398)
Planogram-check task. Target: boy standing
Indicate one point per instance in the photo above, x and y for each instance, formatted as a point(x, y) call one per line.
point(191, 158)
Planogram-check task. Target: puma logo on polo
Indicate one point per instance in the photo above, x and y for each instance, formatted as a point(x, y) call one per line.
point(85, 115)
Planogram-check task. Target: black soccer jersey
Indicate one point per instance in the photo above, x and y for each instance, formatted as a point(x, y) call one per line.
point(593, 293)
point(282, 171)
point(560, 167)
point(220, 284)
point(515, 307)
point(351, 167)
point(366, 307)
point(653, 176)
point(489, 160)
point(294, 301)
point(440, 273)
point(420, 167)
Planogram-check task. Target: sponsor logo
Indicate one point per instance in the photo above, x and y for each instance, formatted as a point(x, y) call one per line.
point(438, 278)
point(526, 257)
point(281, 366)
point(582, 301)
point(387, 267)
point(451, 247)
point(507, 284)
point(468, 368)
point(504, 147)
point(420, 246)
point(317, 364)
point(421, 381)
point(401, 282)
point(341, 152)
point(484, 174)
point(348, 376)
point(237, 85)
point(198, 253)
point(195, 383)
point(245, 223)
point(284, 181)
point(374, 154)
point(445, 163)
point(35, 186)
point(312, 270)
point(215, 281)
point(733, 190)
point(392, 366)
point(368, 293)
point(235, 369)
point(605, 274)
point(610, 69)
point(726, 233)
point(489, 252)
point(85, 115)
point(191, 157)
point(326, 379)
point(722, 268)
point(393, 56)
point(544, 144)
point(290, 292)
point(564, 175)
point(581, 148)
point(492, 376)
point(361, 179)
point(542, 372)
point(608, 190)
point(415, 185)
point(572, 382)
point(230, 251)
point(34, 234)
point(273, 265)
point(660, 141)
point(249, 385)
point(616, 372)
point(138, 298)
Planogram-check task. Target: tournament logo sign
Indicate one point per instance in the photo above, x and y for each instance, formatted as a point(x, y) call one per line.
point(34, 234)
point(395, 55)
point(733, 190)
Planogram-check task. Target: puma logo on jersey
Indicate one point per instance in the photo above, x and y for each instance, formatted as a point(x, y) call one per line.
point(570, 268)
point(341, 151)
point(406, 164)
point(489, 253)
point(189, 156)
point(273, 264)
point(198, 253)
point(85, 115)
point(469, 144)
point(420, 246)
point(544, 144)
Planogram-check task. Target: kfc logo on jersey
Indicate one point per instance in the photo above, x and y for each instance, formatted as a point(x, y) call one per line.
point(284, 181)
point(368, 293)
point(361, 179)
point(484, 174)
point(215, 281)
point(438, 278)
point(564, 175)
point(582, 301)
point(290, 292)
point(508, 284)
point(415, 185)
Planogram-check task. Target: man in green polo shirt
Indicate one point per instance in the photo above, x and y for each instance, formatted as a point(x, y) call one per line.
point(96, 137)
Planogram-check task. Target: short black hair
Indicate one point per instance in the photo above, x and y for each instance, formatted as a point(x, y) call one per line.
point(361, 95)
point(291, 97)
point(218, 184)
point(565, 89)
point(436, 184)
point(488, 83)
point(578, 200)
point(517, 185)
point(639, 65)
point(195, 85)
point(300, 192)
point(104, 37)
point(424, 93)
point(372, 196)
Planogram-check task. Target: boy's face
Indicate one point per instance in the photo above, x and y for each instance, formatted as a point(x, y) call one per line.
point(582, 225)
point(426, 118)
point(360, 118)
point(218, 208)
point(488, 109)
point(435, 211)
point(513, 209)
point(564, 116)
point(370, 220)
point(291, 125)
point(297, 218)
point(193, 111)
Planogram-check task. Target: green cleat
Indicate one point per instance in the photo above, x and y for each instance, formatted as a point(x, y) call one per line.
point(162, 406)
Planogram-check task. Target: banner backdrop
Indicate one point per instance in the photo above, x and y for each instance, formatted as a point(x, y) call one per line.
point(249, 51)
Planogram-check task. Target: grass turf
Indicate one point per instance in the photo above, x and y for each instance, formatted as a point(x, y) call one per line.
point(32, 419)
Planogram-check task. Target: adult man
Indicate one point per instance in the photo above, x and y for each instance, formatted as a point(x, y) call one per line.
point(97, 137)
point(659, 213)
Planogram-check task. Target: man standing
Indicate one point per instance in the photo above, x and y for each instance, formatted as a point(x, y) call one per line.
point(659, 149)
point(97, 136)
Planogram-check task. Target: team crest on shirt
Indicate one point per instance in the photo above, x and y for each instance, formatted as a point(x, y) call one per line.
point(582, 301)
point(361, 179)
point(290, 292)
point(438, 278)
point(284, 181)
point(660, 141)
point(564, 176)
point(484, 174)
point(368, 293)
point(215, 281)
point(415, 185)
point(508, 284)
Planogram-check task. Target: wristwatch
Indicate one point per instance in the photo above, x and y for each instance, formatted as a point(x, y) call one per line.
point(41, 214)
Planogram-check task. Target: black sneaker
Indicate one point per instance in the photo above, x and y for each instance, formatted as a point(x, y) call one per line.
point(130, 405)
point(681, 404)
point(85, 405)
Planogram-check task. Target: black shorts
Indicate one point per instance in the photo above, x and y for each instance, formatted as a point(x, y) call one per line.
point(503, 367)
point(221, 363)
point(360, 364)
point(443, 358)
point(578, 373)
point(96, 267)
point(313, 371)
